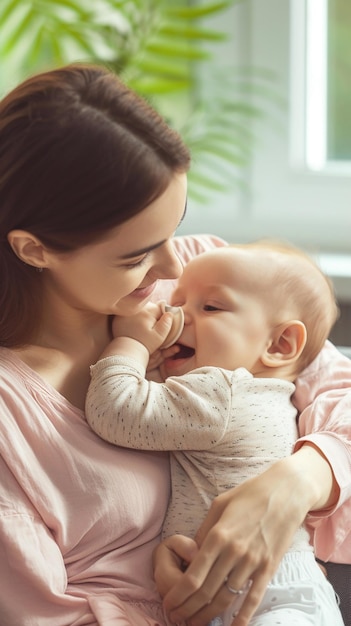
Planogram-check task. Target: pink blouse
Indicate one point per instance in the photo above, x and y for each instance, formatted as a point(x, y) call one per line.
point(79, 518)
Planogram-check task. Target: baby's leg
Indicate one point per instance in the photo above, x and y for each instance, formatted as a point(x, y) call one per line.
point(298, 595)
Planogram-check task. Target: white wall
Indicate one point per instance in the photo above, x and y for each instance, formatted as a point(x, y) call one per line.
point(311, 210)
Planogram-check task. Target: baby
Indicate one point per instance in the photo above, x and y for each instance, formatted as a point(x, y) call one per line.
point(255, 316)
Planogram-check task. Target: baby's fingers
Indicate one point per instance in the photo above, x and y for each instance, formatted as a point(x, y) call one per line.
point(163, 325)
point(155, 360)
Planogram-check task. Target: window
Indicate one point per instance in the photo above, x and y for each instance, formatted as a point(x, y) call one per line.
point(321, 66)
point(287, 198)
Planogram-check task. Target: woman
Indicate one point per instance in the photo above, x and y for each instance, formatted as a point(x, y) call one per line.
point(92, 189)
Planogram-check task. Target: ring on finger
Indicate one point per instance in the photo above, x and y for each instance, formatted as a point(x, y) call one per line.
point(236, 592)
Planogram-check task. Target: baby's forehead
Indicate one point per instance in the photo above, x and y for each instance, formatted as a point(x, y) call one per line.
point(228, 259)
point(224, 267)
point(225, 254)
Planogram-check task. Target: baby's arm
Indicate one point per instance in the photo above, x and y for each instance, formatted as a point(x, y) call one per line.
point(125, 409)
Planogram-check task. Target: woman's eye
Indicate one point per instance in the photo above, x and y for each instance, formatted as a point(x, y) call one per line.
point(136, 263)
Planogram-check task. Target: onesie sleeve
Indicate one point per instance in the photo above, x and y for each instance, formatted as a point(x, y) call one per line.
point(125, 409)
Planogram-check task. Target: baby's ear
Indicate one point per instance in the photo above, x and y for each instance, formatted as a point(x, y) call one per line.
point(287, 343)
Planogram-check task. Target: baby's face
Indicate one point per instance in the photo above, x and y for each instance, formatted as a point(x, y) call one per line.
point(227, 321)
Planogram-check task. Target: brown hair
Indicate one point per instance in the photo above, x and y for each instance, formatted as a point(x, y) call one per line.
point(80, 153)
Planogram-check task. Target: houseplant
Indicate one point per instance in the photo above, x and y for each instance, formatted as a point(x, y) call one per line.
point(157, 46)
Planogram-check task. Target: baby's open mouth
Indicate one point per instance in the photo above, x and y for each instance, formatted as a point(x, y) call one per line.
point(185, 352)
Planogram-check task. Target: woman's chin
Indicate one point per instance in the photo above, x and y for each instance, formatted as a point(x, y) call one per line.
point(129, 306)
point(135, 301)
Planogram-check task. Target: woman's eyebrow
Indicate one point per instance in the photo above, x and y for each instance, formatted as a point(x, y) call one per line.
point(135, 253)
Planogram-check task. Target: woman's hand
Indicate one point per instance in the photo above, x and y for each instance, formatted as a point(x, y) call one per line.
point(244, 537)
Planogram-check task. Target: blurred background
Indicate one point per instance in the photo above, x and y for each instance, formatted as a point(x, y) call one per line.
point(259, 90)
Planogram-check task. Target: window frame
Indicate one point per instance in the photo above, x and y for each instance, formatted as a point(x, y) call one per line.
point(308, 89)
point(285, 199)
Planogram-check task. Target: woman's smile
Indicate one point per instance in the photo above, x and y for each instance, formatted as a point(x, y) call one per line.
point(144, 292)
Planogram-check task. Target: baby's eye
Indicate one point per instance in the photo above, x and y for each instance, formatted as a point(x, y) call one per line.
point(211, 307)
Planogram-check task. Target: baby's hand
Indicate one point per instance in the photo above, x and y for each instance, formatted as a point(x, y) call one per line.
point(170, 559)
point(150, 326)
point(157, 358)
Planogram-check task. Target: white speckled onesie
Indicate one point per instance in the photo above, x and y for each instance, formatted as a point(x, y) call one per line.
point(221, 427)
point(298, 595)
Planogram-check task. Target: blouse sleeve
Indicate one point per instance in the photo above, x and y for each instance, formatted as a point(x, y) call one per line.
point(323, 398)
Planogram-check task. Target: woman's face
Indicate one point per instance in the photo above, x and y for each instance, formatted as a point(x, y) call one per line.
point(118, 274)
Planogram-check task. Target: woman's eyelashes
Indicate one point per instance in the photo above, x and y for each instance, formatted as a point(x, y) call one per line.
point(136, 263)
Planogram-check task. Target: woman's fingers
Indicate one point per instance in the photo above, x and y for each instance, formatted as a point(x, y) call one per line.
point(216, 594)
point(251, 601)
point(239, 606)
point(245, 535)
point(211, 592)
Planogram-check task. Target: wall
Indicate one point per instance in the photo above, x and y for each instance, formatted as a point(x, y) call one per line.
point(283, 200)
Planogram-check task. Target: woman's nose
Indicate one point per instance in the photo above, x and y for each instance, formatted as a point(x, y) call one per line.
point(167, 262)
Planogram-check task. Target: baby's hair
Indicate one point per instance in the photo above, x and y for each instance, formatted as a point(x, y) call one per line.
point(303, 289)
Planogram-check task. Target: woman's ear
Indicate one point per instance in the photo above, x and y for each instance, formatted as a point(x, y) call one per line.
point(287, 344)
point(27, 247)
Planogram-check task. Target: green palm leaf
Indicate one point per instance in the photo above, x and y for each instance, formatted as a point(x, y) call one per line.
point(157, 46)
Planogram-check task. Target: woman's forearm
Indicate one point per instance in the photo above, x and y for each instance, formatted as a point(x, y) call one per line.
point(314, 470)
